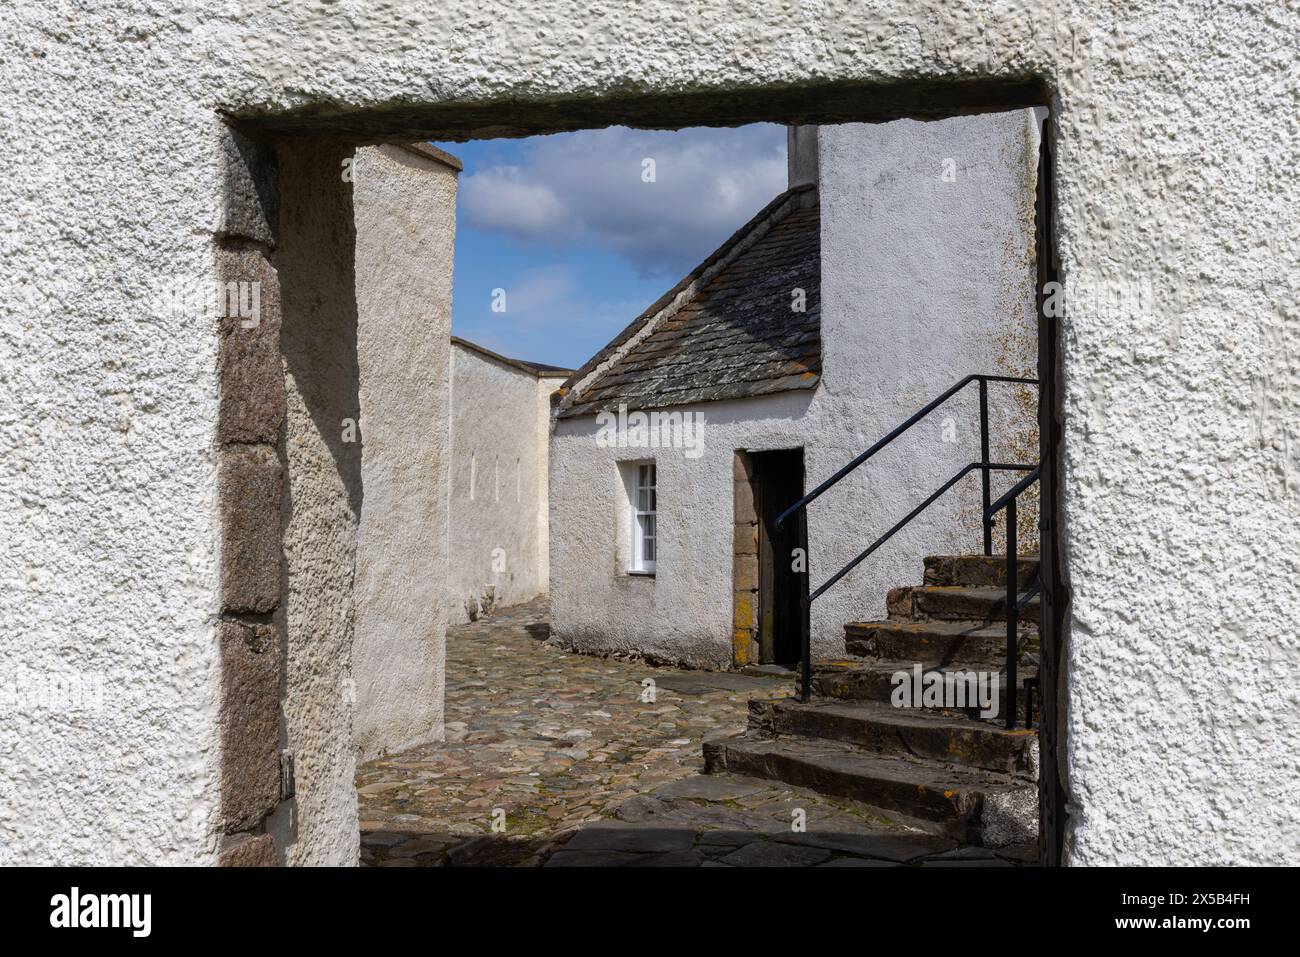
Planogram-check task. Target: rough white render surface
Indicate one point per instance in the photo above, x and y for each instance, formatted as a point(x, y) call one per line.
point(405, 209)
point(1181, 485)
point(109, 668)
point(924, 280)
point(928, 276)
point(499, 425)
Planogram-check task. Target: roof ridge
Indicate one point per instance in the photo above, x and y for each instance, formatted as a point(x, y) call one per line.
point(538, 369)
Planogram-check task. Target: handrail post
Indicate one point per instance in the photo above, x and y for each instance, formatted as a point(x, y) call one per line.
point(805, 613)
point(984, 460)
point(1013, 574)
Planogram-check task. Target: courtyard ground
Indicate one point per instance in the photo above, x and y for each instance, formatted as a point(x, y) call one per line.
point(556, 759)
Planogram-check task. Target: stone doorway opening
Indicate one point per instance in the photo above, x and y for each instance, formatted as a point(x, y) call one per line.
point(766, 604)
point(321, 506)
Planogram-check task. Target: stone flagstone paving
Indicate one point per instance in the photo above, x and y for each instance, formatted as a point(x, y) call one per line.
point(576, 763)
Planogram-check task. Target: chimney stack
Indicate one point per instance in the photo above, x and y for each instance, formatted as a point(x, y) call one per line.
point(801, 155)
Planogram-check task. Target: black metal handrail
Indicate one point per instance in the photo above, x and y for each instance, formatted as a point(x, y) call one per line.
point(961, 474)
point(1015, 601)
point(984, 465)
point(1007, 497)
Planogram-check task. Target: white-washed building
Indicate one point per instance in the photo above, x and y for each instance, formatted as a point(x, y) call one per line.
point(900, 260)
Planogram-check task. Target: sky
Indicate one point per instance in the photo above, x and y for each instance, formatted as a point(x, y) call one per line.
point(580, 242)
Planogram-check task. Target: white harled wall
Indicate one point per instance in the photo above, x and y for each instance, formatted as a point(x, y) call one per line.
point(500, 417)
point(405, 210)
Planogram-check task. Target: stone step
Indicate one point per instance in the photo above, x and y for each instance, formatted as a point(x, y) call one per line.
point(855, 679)
point(973, 806)
point(954, 603)
point(937, 643)
point(918, 733)
point(978, 570)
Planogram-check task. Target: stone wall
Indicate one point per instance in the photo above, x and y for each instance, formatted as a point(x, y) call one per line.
point(744, 565)
point(251, 489)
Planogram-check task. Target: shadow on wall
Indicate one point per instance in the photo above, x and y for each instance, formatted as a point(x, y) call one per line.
point(319, 343)
point(322, 500)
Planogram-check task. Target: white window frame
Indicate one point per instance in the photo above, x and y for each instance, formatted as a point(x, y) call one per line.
point(645, 479)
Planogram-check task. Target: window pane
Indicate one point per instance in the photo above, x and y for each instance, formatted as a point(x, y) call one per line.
point(647, 537)
point(644, 500)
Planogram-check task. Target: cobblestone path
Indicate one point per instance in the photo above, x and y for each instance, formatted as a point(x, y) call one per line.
point(555, 758)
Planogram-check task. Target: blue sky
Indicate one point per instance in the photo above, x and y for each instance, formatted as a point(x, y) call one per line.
point(580, 243)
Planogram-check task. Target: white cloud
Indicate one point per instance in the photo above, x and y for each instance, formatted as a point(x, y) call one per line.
point(501, 198)
point(540, 293)
point(587, 187)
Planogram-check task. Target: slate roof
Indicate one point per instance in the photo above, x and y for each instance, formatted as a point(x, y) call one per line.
point(733, 336)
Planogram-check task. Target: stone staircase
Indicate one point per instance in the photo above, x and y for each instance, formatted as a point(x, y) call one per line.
point(942, 767)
